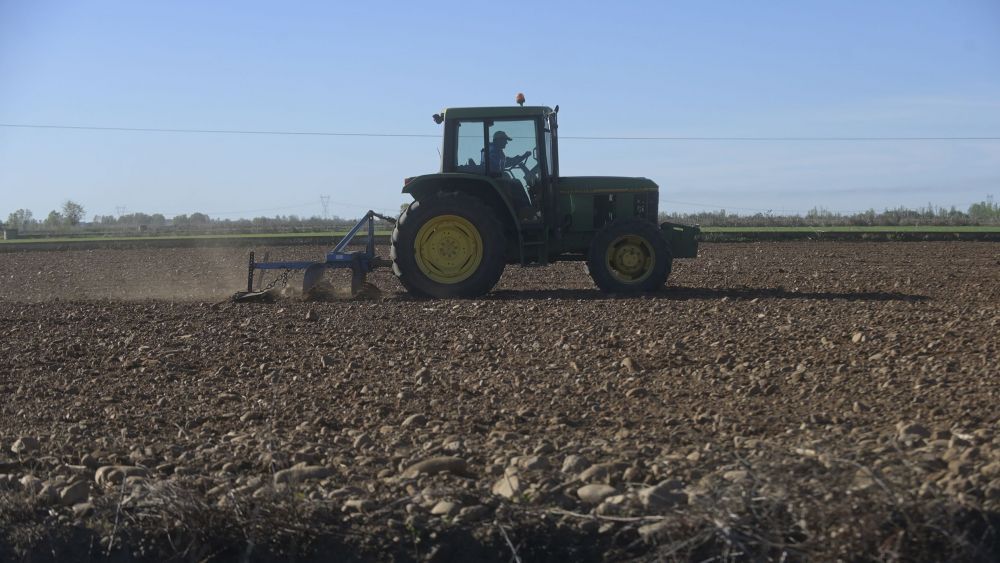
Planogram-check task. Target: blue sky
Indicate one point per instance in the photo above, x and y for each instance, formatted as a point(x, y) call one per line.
point(704, 69)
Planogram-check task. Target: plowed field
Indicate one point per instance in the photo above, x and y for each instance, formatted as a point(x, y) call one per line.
point(782, 401)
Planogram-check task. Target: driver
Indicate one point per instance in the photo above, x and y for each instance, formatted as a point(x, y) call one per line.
point(499, 163)
point(498, 160)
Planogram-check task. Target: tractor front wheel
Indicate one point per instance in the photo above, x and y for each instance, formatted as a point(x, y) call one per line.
point(629, 256)
point(449, 245)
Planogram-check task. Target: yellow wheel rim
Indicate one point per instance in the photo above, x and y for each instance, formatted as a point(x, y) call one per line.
point(448, 249)
point(630, 258)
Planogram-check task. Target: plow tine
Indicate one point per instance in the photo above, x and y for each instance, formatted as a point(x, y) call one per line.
point(312, 276)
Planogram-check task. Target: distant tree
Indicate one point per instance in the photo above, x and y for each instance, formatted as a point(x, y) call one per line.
point(20, 219)
point(72, 212)
point(199, 219)
point(157, 220)
point(55, 219)
point(985, 211)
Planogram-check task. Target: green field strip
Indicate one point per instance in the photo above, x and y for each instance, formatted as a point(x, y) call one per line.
point(246, 236)
point(873, 229)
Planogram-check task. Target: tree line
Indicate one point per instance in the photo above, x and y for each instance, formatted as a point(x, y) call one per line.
point(985, 213)
point(69, 218)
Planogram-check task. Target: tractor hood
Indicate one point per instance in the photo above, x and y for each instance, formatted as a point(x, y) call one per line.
point(604, 184)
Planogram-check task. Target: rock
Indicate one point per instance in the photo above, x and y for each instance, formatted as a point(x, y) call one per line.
point(90, 462)
point(600, 472)
point(908, 431)
point(472, 513)
point(652, 533)
point(630, 365)
point(858, 337)
point(328, 361)
point(74, 494)
point(83, 509)
point(863, 480)
point(990, 470)
point(31, 484)
point(24, 445)
point(575, 464)
point(595, 493)
point(614, 504)
point(533, 462)
point(358, 505)
point(300, 474)
point(736, 475)
point(415, 420)
point(48, 494)
point(361, 441)
point(508, 486)
point(444, 508)
point(435, 465)
point(312, 315)
point(115, 474)
point(666, 494)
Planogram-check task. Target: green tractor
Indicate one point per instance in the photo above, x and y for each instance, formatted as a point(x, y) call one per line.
point(500, 199)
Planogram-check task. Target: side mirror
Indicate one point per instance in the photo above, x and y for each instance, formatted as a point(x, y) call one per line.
point(438, 118)
point(557, 108)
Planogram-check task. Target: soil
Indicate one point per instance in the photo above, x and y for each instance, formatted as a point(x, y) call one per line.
point(785, 401)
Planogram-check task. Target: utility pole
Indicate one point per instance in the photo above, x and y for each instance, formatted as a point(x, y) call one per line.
point(325, 200)
point(120, 210)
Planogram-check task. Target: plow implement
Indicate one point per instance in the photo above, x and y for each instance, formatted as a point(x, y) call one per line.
point(359, 262)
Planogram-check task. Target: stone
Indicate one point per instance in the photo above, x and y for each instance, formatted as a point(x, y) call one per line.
point(74, 494)
point(472, 513)
point(736, 475)
point(31, 484)
point(83, 509)
point(666, 494)
point(595, 493)
point(907, 431)
point(529, 463)
point(48, 494)
point(328, 361)
point(614, 504)
point(24, 445)
point(115, 474)
point(444, 508)
point(435, 465)
point(862, 480)
point(303, 473)
point(575, 464)
point(415, 420)
point(599, 472)
point(358, 505)
point(630, 365)
point(508, 486)
point(652, 533)
point(312, 315)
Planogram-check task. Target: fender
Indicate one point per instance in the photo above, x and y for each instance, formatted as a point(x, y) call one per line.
point(481, 187)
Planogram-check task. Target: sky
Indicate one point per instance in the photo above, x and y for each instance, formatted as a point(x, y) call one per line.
point(706, 69)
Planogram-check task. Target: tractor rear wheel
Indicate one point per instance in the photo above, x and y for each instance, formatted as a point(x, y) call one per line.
point(629, 256)
point(449, 245)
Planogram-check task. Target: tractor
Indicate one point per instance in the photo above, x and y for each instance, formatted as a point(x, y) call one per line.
point(500, 199)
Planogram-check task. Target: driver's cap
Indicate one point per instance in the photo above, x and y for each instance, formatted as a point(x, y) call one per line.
point(501, 135)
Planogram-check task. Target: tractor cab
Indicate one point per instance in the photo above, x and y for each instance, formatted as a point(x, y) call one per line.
point(513, 146)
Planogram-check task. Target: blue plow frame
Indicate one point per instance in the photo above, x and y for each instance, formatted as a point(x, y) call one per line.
point(360, 262)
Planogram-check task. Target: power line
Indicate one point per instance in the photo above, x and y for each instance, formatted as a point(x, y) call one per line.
point(424, 135)
point(212, 131)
